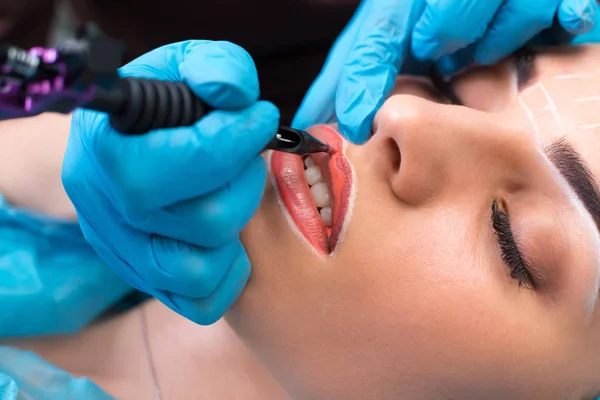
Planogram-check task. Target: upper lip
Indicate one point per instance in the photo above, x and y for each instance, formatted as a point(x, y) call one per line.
point(338, 175)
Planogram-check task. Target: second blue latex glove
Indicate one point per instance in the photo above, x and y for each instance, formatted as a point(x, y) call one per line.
point(363, 63)
point(165, 209)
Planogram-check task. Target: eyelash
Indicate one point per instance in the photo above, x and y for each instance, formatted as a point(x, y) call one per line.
point(511, 256)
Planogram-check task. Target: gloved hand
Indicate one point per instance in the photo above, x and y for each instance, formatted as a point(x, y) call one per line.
point(26, 376)
point(363, 63)
point(51, 280)
point(165, 209)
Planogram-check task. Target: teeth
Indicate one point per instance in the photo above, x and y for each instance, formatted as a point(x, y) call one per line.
point(320, 192)
point(327, 215)
point(313, 175)
point(308, 162)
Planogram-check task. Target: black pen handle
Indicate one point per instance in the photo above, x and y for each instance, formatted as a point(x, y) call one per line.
point(140, 105)
point(137, 106)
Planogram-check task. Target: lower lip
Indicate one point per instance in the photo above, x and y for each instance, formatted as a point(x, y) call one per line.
point(297, 201)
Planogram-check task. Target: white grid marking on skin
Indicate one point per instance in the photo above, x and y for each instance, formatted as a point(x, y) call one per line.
point(530, 88)
point(586, 99)
point(575, 76)
point(530, 116)
point(551, 105)
point(590, 127)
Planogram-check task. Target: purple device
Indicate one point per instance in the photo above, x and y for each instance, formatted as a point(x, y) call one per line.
point(84, 73)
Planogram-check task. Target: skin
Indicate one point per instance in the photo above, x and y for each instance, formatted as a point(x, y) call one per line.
point(417, 303)
point(31, 153)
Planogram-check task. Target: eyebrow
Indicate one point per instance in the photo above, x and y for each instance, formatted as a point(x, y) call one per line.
point(574, 169)
point(561, 154)
point(445, 86)
point(524, 60)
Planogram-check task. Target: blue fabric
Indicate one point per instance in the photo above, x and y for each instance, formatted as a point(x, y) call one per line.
point(26, 376)
point(51, 280)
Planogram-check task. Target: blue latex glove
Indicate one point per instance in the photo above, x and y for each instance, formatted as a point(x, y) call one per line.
point(165, 209)
point(26, 376)
point(592, 36)
point(51, 280)
point(363, 63)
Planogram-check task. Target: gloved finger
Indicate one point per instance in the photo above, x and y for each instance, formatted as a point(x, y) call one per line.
point(221, 73)
point(578, 16)
point(161, 263)
point(454, 64)
point(514, 25)
point(171, 165)
point(205, 311)
point(211, 220)
point(187, 270)
point(449, 25)
point(318, 104)
point(373, 64)
point(591, 37)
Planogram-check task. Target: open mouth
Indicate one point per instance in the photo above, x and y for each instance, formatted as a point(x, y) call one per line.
point(316, 191)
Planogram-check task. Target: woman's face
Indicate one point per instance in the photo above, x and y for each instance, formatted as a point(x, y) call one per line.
point(466, 261)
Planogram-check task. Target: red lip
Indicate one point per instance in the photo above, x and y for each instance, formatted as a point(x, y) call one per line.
point(288, 172)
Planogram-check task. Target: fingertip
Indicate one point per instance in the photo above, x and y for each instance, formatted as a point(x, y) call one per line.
point(261, 124)
point(257, 168)
point(221, 73)
point(270, 112)
point(207, 311)
point(490, 52)
point(454, 64)
point(578, 17)
point(357, 103)
point(250, 185)
point(356, 129)
point(229, 139)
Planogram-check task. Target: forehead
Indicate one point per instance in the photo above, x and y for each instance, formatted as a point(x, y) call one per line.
point(563, 101)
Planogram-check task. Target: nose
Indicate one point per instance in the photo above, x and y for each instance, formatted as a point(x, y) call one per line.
point(429, 151)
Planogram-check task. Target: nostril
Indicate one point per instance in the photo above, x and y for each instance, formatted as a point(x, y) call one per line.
point(395, 157)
